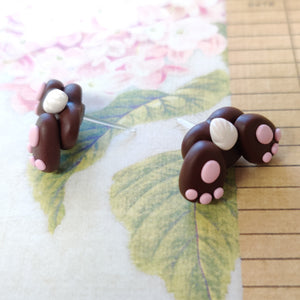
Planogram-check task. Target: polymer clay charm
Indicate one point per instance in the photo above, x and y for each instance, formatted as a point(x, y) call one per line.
point(60, 110)
point(210, 147)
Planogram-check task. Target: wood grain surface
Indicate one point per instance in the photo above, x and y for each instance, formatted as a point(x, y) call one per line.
point(264, 63)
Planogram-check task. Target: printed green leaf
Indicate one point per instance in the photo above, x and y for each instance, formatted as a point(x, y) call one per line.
point(141, 106)
point(222, 28)
point(223, 31)
point(131, 108)
point(192, 247)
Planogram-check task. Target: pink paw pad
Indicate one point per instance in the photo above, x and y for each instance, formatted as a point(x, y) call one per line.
point(264, 134)
point(29, 148)
point(191, 194)
point(277, 134)
point(210, 171)
point(267, 157)
point(218, 193)
point(39, 164)
point(34, 136)
point(274, 149)
point(205, 198)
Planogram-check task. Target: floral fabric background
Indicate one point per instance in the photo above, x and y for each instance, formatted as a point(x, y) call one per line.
point(112, 224)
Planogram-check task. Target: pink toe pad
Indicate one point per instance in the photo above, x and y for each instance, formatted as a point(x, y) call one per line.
point(191, 194)
point(274, 149)
point(205, 198)
point(264, 134)
point(34, 136)
point(29, 148)
point(218, 193)
point(277, 134)
point(210, 171)
point(267, 157)
point(40, 165)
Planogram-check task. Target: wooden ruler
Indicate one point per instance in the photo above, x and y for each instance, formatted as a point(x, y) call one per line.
point(264, 62)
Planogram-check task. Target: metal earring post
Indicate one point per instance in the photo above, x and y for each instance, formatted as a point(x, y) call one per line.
point(112, 125)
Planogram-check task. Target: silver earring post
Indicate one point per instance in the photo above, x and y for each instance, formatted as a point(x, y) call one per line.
point(112, 125)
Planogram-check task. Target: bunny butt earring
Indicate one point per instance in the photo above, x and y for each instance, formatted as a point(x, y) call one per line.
point(61, 111)
point(210, 147)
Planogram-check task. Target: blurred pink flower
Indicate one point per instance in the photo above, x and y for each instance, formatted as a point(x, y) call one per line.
point(177, 12)
point(142, 49)
point(70, 40)
point(214, 46)
point(212, 12)
point(148, 50)
point(149, 14)
point(113, 83)
point(179, 57)
point(185, 34)
point(150, 81)
point(24, 97)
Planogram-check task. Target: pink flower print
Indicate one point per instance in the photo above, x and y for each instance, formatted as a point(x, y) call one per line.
point(149, 14)
point(142, 67)
point(151, 81)
point(115, 48)
point(151, 50)
point(171, 69)
point(70, 40)
point(54, 60)
point(191, 8)
point(114, 82)
point(93, 69)
point(95, 39)
point(144, 72)
point(21, 67)
point(179, 57)
point(185, 34)
point(176, 12)
point(155, 32)
point(212, 11)
point(214, 46)
point(24, 97)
